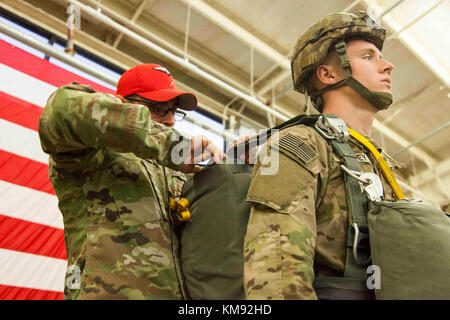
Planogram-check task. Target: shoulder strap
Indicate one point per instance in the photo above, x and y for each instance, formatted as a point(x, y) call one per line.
point(260, 139)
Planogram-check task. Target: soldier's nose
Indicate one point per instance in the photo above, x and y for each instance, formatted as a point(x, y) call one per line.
point(169, 119)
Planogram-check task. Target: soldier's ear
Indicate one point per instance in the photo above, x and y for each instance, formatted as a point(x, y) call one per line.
point(326, 74)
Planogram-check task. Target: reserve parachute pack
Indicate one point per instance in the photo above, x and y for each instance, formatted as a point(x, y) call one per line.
point(407, 241)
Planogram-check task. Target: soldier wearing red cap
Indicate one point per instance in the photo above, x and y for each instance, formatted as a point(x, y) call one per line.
point(112, 167)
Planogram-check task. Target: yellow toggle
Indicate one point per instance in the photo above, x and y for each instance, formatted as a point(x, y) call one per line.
point(180, 207)
point(182, 204)
point(381, 162)
point(172, 204)
point(184, 216)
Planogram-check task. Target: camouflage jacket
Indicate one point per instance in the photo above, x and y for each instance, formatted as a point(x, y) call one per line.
point(298, 221)
point(106, 168)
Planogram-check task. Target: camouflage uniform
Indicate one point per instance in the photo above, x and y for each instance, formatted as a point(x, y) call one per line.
point(297, 229)
point(106, 168)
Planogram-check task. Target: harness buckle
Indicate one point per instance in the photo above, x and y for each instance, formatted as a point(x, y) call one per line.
point(359, 236)
point(332, 128)
point(374, 188)
point(369, 183)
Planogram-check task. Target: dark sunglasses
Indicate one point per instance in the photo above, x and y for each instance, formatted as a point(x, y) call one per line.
point(161, 109)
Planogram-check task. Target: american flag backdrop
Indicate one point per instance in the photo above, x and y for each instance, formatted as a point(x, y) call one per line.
point(32, 251)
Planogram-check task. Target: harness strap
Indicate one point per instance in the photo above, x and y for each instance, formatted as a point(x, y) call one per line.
point(358, 230)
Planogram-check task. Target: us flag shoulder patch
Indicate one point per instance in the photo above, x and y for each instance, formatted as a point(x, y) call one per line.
point(296, 147)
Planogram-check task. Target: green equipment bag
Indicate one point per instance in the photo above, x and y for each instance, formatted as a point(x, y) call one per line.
point(212, 241)
point(410, 243)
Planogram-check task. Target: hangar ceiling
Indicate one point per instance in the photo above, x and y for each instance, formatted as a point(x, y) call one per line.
point(245, 45)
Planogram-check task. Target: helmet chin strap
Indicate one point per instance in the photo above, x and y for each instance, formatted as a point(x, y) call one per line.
point(380, 100)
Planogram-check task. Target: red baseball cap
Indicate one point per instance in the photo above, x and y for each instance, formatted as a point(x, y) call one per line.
point(153, 82)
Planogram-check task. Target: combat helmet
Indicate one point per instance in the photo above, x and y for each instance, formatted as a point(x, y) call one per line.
point(313, 45)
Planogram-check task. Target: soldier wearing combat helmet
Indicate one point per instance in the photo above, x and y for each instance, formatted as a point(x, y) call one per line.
point(299, 232)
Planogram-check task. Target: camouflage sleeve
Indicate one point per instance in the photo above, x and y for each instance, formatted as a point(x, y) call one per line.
point(281, 234)
point(77, 117)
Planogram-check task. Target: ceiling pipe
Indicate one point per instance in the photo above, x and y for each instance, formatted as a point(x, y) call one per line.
point(232, 27)
point(423, 138)
point(136, 15)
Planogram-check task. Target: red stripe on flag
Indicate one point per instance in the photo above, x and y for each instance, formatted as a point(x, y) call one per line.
point(24, 172)
point(19, 111)
point(42, 69)
point(20, 293)
point(30, 237)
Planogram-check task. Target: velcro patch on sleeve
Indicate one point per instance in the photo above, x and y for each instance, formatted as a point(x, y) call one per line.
point(296, 149)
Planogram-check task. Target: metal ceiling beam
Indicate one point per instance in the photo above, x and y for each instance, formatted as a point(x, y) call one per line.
point(136, 15)
point(102, 49)
point(58, 27)
point(423, 138)
point(395, 35)
point(239, 32)
point(441, 169)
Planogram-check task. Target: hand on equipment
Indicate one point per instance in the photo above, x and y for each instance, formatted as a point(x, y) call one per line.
point(201, 149)
point(251, 152)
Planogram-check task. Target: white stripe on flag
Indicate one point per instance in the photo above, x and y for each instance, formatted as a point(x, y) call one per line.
point(28, 270)
point(21, 141)
point(29, 204)
point(23, 86)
